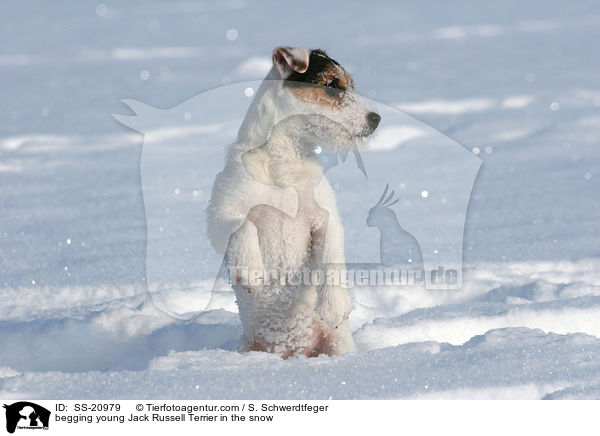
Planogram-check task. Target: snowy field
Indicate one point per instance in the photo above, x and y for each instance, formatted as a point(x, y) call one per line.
point(515, 82)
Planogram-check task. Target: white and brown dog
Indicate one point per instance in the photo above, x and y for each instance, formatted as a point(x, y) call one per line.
point(272, 210)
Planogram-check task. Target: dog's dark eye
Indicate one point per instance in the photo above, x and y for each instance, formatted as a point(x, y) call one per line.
point(335, 84)
point(333, 88)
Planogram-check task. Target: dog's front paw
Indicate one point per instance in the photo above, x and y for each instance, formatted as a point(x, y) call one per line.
point(333, 305)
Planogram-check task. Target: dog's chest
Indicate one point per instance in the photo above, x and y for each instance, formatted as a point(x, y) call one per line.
point(286, 241)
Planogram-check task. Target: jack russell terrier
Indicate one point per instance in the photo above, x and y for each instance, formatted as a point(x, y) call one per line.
point(273, 213)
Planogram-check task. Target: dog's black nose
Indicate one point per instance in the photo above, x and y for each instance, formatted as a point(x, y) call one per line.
point(373, 118)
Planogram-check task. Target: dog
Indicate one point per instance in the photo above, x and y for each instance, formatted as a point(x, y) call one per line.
point(272, 209)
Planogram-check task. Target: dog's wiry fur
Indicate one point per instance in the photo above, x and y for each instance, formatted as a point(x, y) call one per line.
point(271, 204)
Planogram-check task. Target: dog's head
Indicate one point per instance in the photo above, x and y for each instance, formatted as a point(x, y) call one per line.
point(307, 82)
point(312, 82)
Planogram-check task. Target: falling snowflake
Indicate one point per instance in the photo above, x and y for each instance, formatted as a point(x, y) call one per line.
point(231, 35)
point(101, 10)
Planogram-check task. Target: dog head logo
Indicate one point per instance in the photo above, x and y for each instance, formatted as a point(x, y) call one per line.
point(26, 415)
point(426, 177)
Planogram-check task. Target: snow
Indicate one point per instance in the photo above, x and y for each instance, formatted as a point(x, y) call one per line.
point(514, 81)
point(447, 107)
point(391, 137)
point(534, 365)
point(255, 67)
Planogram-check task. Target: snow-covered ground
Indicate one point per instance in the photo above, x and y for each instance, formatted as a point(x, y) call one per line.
point(516, 81)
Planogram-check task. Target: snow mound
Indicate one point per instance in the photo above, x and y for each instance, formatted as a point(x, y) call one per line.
point(515, 363)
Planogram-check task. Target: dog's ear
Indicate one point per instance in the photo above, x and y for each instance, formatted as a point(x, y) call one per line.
point(288, 59)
